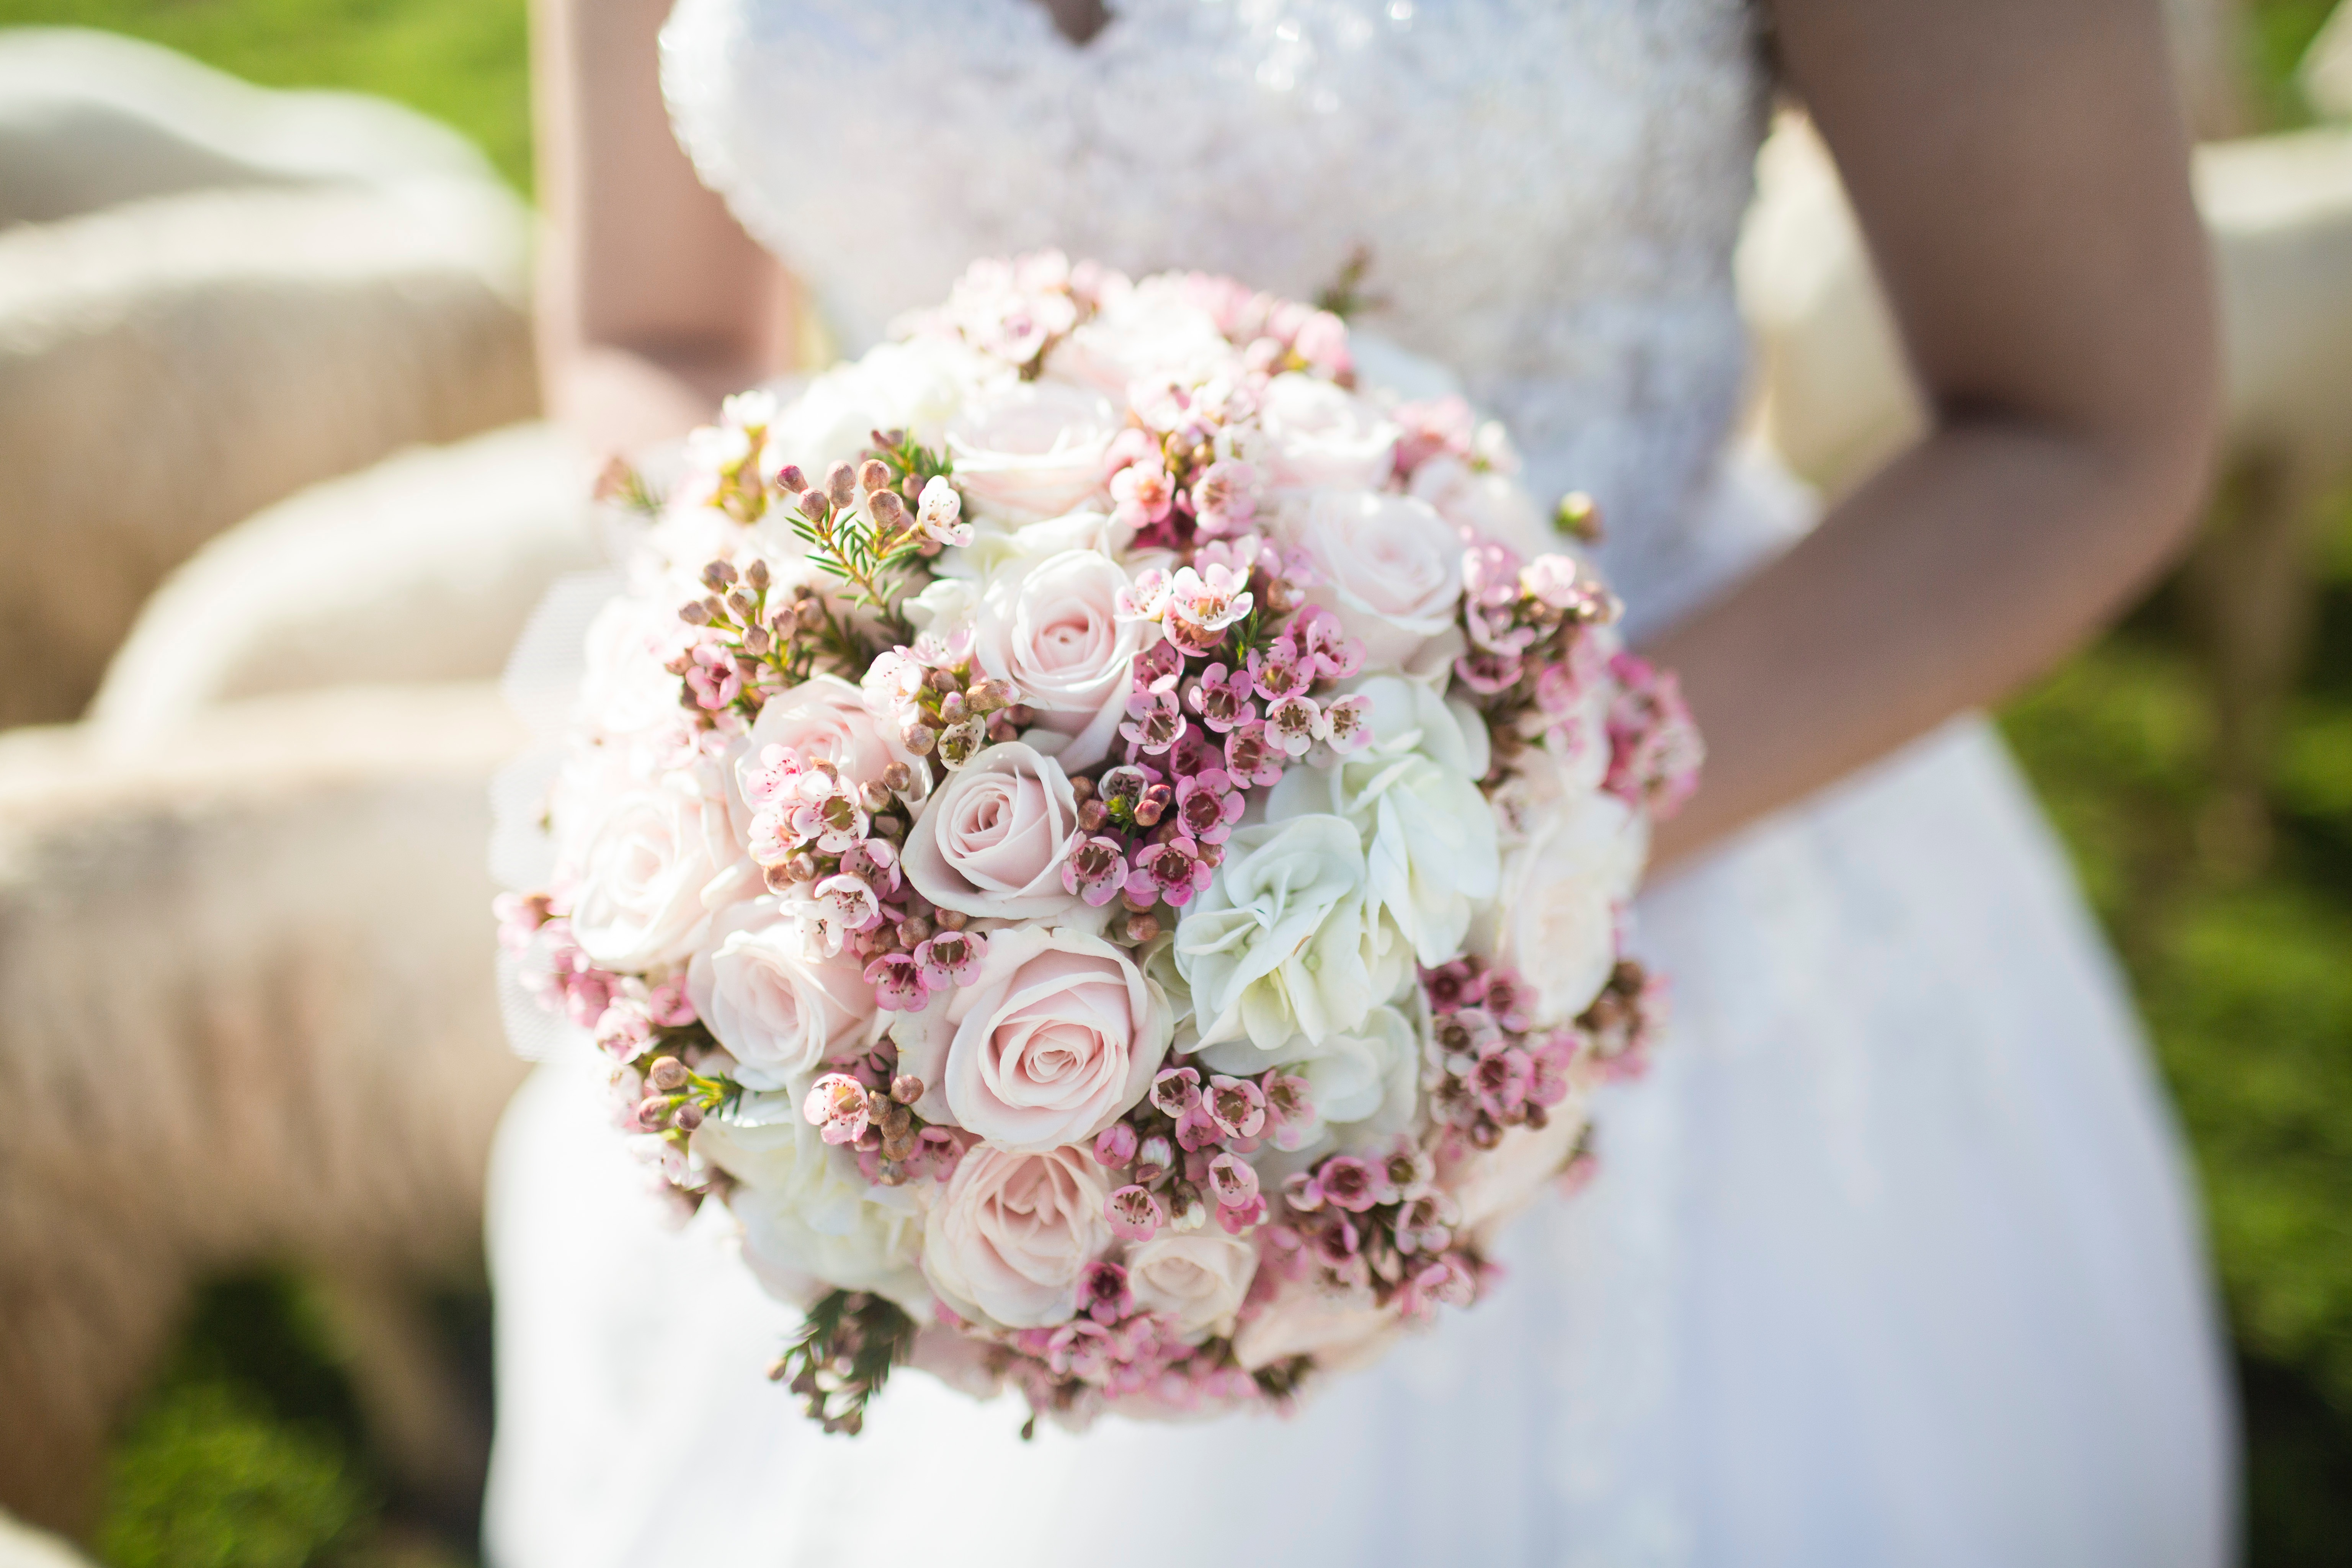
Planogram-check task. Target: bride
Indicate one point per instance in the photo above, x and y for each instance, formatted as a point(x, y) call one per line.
point(1892, 1260)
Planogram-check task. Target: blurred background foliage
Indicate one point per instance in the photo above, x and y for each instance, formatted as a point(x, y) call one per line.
point(249, 1451)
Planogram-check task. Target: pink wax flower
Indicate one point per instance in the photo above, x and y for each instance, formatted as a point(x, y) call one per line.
point(1134, 1214)
point(950, 958)
point(713, 676)
point(668, 1003)
point(1232, 1181)
point(1195, 751)
point(1237, 1106)
point(1225, 498)
point(1094, 868)
point(1488, 672)
point(1654, 751)
point(1251, 756)
point(1348, 1183)
point(1207, 805)
point(1103, 1294)
point(1144, 493)
point(1323, 645)
point(898, 982)
point(1176, 1090)
point(1115, 1146)
point(1289, 1109)
point(1173, 871)
point(1347, 726)
point(1156, 718)
point(1506, 997)
point(836, 1103)
point(1499, 1079)
point(1293, 724)
point(1144, 599)
point(1222, 697)
point(1278, 671)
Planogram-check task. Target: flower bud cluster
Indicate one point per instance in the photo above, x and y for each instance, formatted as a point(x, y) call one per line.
point(868, 1105)
point(1655, 750)
point(843, 1355)
point(1485, 1068)
point(941, 704)
point(1183, 1150)
point(1376, 1223)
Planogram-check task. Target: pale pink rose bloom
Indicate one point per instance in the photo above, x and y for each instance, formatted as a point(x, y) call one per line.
point(824, 718)
point(1390, 568)
point(989, 841)
point(1198, 1278)
point(1324, 435)
point(1053, 630)
point(1007, 1238)
point(650, 858)
point(1339, 1332)
point(778, 1007)
point(1148, 332)
point(1491, 1186)
point(1031, 450)
point(1057, 1034)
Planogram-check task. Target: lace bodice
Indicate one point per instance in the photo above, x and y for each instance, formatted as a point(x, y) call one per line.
point(1547, 190)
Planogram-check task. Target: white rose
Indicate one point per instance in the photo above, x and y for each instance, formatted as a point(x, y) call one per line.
point(1150, 332)
point(1030, 451)
point(1429, 832)
point(1493, 505)
point(1364, 1082)
point(1057, 1036)
point(1006, 1240)
point(1391, 569)
point(779, 1006)
point(1321, 435)
point(989, 841)
point(1284, 943)
point(1052, 627)
point(1560, 891)
point(808, 1217)
point(1197, 1277)
point(915, 386)
point(652, 861)
point(624, 689)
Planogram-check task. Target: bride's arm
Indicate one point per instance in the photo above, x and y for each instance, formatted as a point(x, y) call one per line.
point(2020, 169)
point(653, 303)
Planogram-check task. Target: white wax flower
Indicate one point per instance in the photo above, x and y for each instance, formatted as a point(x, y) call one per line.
point(1284, 941)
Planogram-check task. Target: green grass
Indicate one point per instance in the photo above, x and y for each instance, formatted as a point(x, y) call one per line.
point(2246, 982)
point(463, 62)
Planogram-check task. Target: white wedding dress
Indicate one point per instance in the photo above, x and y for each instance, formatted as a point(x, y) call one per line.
point(1892, 1259)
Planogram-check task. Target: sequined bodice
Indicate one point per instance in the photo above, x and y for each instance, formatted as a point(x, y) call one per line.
point(1547, 190)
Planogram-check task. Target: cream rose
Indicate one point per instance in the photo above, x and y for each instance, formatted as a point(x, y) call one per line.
point(1321, 435)
point(1197, 1277)
point(1340, 1333)
point(1390, 570)
point(779, 1008)
point(809, 1221)
point(1006, 1240)
point(822, 718)
point(1030, 451)
point(1052, 627)
point(1283, 943)
point(1557, 910)
point(1057, 1036)
point(656, 857)
point(989, 841)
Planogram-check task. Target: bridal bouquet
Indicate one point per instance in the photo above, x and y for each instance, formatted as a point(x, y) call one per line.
point(1101, 839)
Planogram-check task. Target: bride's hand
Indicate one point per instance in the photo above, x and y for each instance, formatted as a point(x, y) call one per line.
point(2020, 171)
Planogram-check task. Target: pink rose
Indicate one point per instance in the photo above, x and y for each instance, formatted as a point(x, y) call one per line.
point(1052, 627)
point(989, 841)
point(1391, 568)
point(822, 718)
point(778, 1006)
point(1031, 450)
point(1324, 435)
point(1057, 1036)
point(1008, 1237)
point(1197, 1277)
